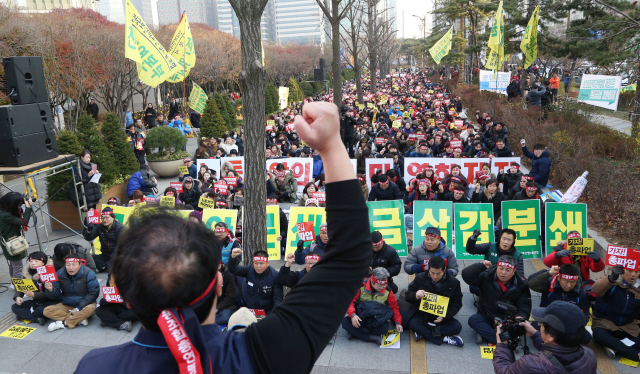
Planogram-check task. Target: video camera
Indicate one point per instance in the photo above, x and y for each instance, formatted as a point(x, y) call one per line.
point(27, 197)
point(511, 329)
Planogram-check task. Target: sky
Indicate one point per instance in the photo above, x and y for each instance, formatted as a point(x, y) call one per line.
point(412, 24)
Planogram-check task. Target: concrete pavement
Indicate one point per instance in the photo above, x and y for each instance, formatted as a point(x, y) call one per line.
point(613, 122)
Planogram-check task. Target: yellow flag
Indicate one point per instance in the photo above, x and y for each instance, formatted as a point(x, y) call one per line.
point(155, 65)
point(529, 44)
point(493, 51)
point(182, 50)
point(442, 47)
point(198, 99)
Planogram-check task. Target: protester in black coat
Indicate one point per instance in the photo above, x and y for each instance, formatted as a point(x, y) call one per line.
point(384, 190)
point(510, 178)
point(387, 257)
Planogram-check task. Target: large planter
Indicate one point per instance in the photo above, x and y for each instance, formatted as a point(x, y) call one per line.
point(166, 168)
point(66, 212)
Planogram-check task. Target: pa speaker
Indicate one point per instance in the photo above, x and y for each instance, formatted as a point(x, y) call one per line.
point(28, 149)
point(322, 62)
point(19, 120)
point(25, 80)
point(318, 75)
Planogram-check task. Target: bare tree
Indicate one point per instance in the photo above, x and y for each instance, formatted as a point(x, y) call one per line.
point(335, 14)
point(378, 34)
point(352, 40)
point(253, 82)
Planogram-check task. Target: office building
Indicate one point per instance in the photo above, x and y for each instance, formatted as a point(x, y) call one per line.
point(43, 6)
point(198, 11)
point(302, 22)
point(228, 21)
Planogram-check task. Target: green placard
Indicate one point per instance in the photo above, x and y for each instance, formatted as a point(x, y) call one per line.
point(388, 218)
point(523, 216)
point(469, 217)
point(432, 214)
point(561, 218)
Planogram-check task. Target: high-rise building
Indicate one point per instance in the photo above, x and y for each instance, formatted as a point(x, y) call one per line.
point(198, 11)
point(388, 12)
point(301, 21)
point(113, 10)
point(228, 21)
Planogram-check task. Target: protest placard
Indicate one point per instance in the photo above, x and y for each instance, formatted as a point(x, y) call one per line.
point(47, 273)
point(111, 295)
point(434, 304)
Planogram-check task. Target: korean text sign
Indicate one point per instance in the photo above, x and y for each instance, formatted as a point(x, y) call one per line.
point(562, 218)
point(523, 217)
point(470, 217)
point(388, 218)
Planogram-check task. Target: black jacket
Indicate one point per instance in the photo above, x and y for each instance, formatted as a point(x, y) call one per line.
point(449, 197)
point(391, 193)
point(541, 282)
point(289, 278)
point(509, 180)
point(450, 288)
point(108, 236)
point(490, 292)
point(91, 190)
point(387, 258)
point(192, 196)
point(259, 291)
point(228, 298)
point(497, 200)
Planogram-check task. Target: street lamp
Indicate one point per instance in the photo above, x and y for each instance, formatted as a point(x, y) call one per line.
point(424, 25)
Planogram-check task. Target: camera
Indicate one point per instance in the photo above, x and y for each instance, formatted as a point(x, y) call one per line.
point(511, 329)
point(27, 197)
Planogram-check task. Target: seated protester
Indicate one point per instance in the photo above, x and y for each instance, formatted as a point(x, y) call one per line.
point(78, 289)
point(394, 176)
point(227, 302)
point(384, 189)
point(480, 181)
point(615, 315)
point(505, 246)
point(385, 256)
point(497, 283)
point(137, 197)
point(560, 283)
point(115, 314)
point(193, 170)
point(227, 241)
point(196, 217)
point(141, 180)
point(285, 183)
point(490, 195)
point(113, 201)
point(436, 329)
point(529, 192)
point(317, 246)
point(511, 178)
point(557, 342)
point(587, 264)
point(190, 194)
point(519, 187)
point(260, 291)
point(433, 245)
point(501, 149)
point(540, 162)
point(108, 231)
point(307, 193)
point(289, 278)
point(312, 203)
point(371, 309)
point(171, 192)
point(61, 250)
point(456, 196)
point(33, 309)
point(423, 192)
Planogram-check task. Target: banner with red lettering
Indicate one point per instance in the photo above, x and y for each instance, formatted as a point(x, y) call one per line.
point(220, 188)
point(111, 295)
point(93, 216)
point(231, 181)
point(499, 163)
point(177, 186)
point(306, 231)
point(442, 166)
point(373, 164)
point(236, 162)
point(627, 257)
point(47, 273)
point(321, 196)
point(302, 169)
point(211, 163)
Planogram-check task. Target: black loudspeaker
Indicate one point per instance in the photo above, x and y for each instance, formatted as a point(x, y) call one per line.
point(28, 149)
point(319, 75)
point(27, 119)
point(25, 80)
point(322, 62)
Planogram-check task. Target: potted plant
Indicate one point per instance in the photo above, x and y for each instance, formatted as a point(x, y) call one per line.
point(121, 153)
point(169, 154)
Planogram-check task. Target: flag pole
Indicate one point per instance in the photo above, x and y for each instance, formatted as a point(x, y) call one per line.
point(184, 67)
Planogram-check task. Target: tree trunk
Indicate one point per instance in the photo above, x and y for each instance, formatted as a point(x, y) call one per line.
point(373, 60)
point(568, 89)
point(635, 116)
point(335, 45)
point(356, 70)
point(253, 82)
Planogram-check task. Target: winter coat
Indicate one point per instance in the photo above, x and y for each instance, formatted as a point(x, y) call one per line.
point(91, 190)
point(387, 257)
point(59, 263)
point(288, 184)
point(391, 193)
point(555, 82)
point(39, 295)
point(76, 291)
point(585, 263)
point(534, 96)
point(576, 360)
point(317, 246)
point(617, 306)
point(228, 298)
point(11, 226)
point(228, 147)
point(492, 253)
point(193, 173)
point(504, 152)
point(449, 197)
point(450, 287)
point(180, 125)
point(509, 180)
point(140, 180)
point(540, 166)
point(421, 255)
point(367, 290)
point(289, 278)
point(550, 291)
point(259, 291)
point(517, 295)
point(192, 196)
point(318, 167)
point(108, 235)
point(496, 200)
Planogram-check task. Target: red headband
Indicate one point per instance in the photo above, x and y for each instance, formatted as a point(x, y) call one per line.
point(221, 229)
point(379, 243)
point(260, 258)
point(423, 182)
point(502, 263)
point(432, 236)
point(569, 277)
point(529, 188)
point(222, 203)
point(380, 282)
point(527, 177)
point(323, 228)
point(272, 200)
point(73, 259)
point(574, 235)
point(312, 257)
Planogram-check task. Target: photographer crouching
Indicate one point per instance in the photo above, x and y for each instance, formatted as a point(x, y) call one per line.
point(558, 342)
